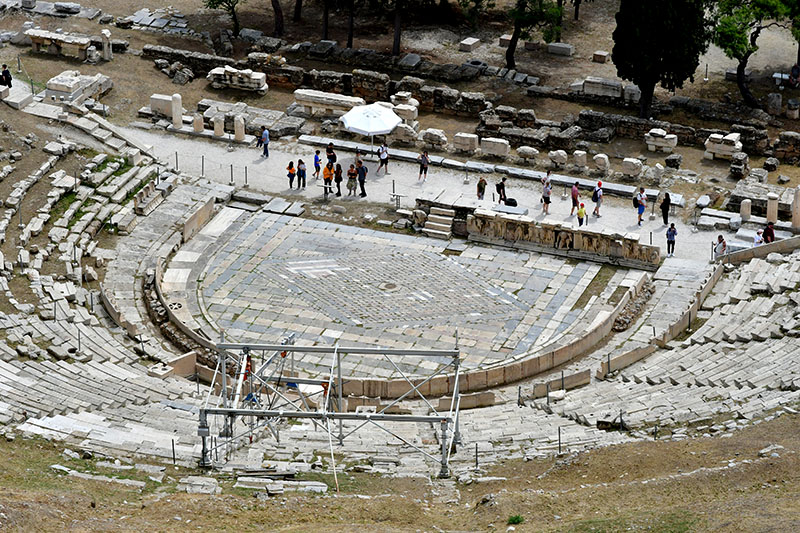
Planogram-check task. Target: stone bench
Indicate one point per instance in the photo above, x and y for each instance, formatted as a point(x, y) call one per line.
point(319, 102)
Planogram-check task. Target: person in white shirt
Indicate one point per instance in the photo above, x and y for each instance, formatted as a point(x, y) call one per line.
point(383, 156)
point(597, 198)
point(758, 238)
point(642, 200)
point(720, 247)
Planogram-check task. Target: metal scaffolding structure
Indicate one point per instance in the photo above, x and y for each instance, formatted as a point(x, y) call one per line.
point(255, 385)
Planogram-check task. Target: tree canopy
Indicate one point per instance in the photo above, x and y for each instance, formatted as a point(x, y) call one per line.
point(229, 6)
point(656, 41)
point(739, 27)
point(528, 15)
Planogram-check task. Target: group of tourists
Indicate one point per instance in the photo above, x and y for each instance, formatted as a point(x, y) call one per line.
point(333, 173)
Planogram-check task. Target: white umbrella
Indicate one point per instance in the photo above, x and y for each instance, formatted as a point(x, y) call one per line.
point(372, 119)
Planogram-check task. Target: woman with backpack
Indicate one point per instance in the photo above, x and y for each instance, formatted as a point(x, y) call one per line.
point(337, 178)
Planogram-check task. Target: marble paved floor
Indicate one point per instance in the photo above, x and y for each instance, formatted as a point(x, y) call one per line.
point(332, 283)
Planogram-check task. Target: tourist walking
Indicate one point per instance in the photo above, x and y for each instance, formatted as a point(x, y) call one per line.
point(501, 190)
point(5, 76)
point(581, 214)
point(361, 170)
point(327, 178)
point(758, 239)
point(330, 154)
point(671, 233)
point(265, 142)
point(317, 165)
point(301, 174)
point(666, 203)
point(641, 200)
point(547, 191)
point(481, 188)
point(291, 173)
point(337, 179)
point(720, 247)
point(383, 159)
point(351, 180)
point(260, 140)
point(576, 195)
point(769, 233)
point(424, 161)
point(597, 198)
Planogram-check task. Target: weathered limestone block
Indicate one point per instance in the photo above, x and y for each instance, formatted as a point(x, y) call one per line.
point(600, 56)
point(227, 77)
point(161, 104)
point(601, 162)
point(434, 137)
point(740, 165)
point(465, 142)
point(59, 43)
point(658, 140)
point(744, 209)
point(558, 158)
point(772, 207)
point(314, 101)
point(108, 53)
point(177, 111)
point(527, 152)
point(560, 49)
point(403, 134)
point(197, 122)
point(720, 146)
point(774, 104)
point(371, 85)
point(596, 86)
point(219, 125)
point(238, 128)
point(631, 167)
point(469, 44)
point(580, 158)
point(796, 209)
point(495, 147)
point(407, 112)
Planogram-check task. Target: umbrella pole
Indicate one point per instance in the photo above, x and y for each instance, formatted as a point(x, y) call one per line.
point(371, 145)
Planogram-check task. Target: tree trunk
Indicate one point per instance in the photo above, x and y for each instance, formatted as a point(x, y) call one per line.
point(798, 53)
point(235, 19)
point(560, 5)
point(276, 6)
point(646, 100)
point(350, 23)
point(396, 42)
point(577, 8)
point(325, 16)
point(741, 82)
point(512, 46)
point(298, 8)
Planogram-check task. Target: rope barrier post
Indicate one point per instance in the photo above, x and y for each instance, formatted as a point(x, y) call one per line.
point(562, 380)
point(79, 338)
point(559, 440)
point(232, 182)
point(476, 456)
point(173, 453)
point(246, 185)
point(443, 472)
point(547, 392)
point(202, 166)
point(176, 160)
point(651, 238)
point(19, 64)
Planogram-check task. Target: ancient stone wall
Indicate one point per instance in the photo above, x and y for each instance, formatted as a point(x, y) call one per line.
point(198, 62)
point(519, 231)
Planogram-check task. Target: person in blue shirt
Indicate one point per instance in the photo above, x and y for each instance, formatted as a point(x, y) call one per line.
point(317, 165)
point(265, 142)
point(671, 233)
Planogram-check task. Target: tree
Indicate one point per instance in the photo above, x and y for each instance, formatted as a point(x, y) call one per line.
point(298, 8)
point(276, 7)
point(577, 4)
point(658, 41)
point(229, 6)
point(350, 22)
point(739, 27)
point(528, 15)
point(397, 29)
point(325, 18)
point(472, 10)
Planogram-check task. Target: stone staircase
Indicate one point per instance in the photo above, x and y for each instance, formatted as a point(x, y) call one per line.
point(439, 223)
point(19, 96)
